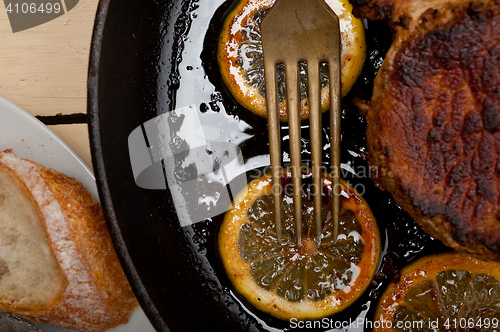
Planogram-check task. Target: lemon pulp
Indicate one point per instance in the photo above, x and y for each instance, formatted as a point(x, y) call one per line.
point(287, 281)
point(446, 292)
point(241, 61)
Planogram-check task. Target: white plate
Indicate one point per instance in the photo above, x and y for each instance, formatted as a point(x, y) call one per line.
point(31, 139)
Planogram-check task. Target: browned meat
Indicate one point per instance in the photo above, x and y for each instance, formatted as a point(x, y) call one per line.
point(434, 126)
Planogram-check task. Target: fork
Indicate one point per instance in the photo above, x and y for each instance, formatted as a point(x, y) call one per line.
point(295, 31)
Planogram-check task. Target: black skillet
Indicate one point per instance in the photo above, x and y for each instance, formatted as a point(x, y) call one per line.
point(142, 60)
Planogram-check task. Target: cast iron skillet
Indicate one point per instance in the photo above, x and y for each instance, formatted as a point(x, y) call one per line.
point(135, 70)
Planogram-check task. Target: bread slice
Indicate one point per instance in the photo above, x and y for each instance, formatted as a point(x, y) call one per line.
point(57, 263)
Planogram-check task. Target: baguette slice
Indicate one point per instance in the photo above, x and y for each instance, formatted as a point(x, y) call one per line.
point(57, 262)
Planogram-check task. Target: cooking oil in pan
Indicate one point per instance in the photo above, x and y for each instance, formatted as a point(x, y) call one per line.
point(219, 146)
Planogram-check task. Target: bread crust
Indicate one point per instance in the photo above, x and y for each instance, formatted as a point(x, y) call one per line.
point(97, 295)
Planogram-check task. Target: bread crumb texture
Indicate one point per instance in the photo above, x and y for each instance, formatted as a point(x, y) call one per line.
point(57, 262)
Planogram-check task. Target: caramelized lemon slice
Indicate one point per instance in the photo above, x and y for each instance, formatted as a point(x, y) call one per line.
point(241, 61)
point(307, 282)
point(446, 292)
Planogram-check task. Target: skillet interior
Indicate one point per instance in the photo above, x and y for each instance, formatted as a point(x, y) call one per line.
point(136, 62)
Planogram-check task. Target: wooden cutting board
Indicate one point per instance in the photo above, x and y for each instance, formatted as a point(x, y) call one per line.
point(44, 71)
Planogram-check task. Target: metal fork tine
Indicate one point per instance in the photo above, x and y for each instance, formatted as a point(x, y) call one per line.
point(335, 118)
point(314, 95)
point(274, 141)
point(293, 107)
point(303, 30)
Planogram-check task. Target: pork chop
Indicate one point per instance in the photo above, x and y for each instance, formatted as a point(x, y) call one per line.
point(434, 123)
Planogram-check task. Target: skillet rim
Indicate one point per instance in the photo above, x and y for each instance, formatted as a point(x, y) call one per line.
point(100, 171)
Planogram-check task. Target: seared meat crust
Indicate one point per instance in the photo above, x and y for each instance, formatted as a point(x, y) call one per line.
point(434, 126)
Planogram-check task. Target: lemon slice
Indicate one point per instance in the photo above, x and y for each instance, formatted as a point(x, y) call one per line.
point(241, 61)
point(306, 282)
point(445, 292)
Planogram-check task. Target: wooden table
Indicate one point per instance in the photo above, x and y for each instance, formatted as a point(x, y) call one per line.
point(44, 71)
